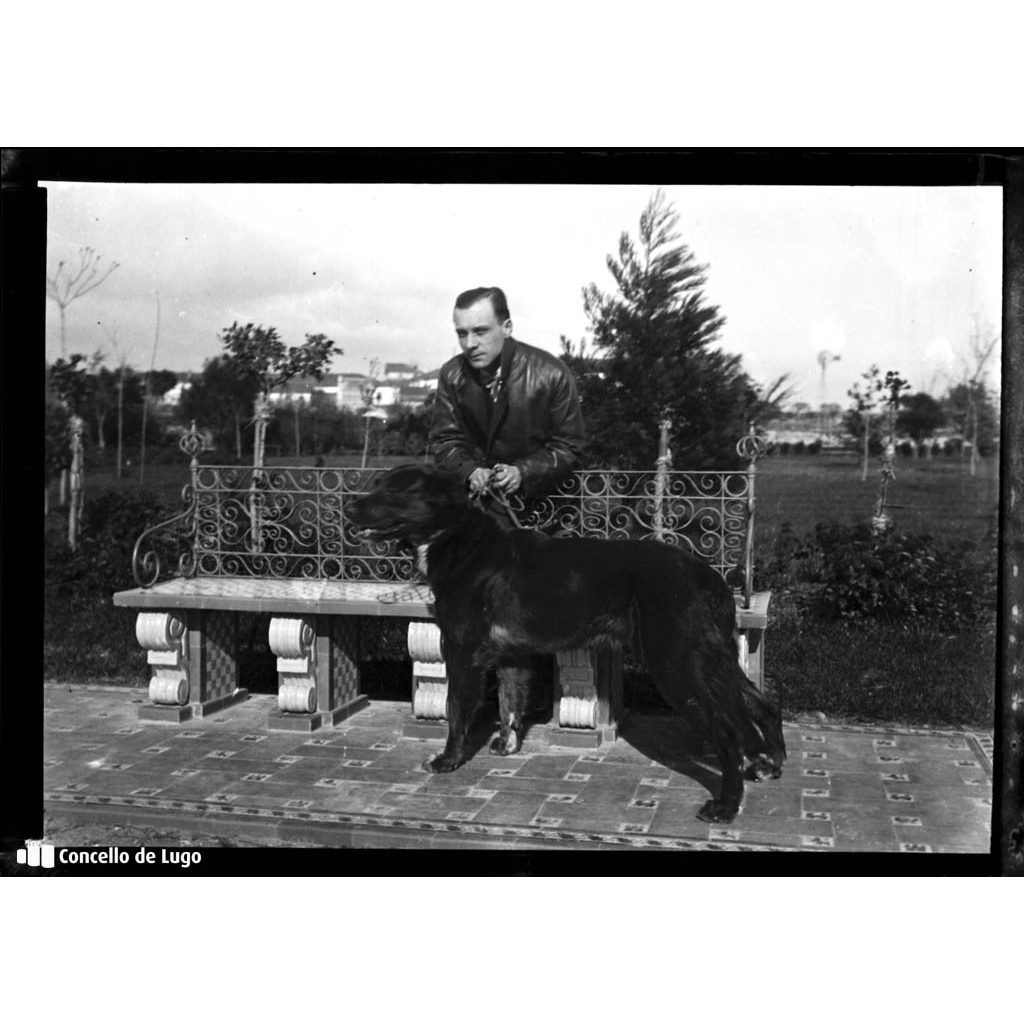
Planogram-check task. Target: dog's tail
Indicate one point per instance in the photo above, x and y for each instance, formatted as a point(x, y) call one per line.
point(762, 723)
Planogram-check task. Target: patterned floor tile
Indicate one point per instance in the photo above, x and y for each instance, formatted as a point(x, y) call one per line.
point(512, 809)
point(553, 766)
point(624, 794)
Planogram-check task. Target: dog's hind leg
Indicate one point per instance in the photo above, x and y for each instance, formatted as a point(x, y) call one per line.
point(726, 744)
point(694, 670)
point(513, 691)
point(465, 695)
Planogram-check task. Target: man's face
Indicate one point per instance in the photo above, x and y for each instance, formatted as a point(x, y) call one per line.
point(480, 334)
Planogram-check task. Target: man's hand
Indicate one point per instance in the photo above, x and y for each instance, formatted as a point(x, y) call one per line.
point(479, 480)
point(507, 479)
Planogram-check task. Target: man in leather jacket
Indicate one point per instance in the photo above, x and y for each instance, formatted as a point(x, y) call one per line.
point(507, 415)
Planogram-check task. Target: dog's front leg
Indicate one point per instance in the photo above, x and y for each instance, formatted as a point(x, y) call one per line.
point(465, 692)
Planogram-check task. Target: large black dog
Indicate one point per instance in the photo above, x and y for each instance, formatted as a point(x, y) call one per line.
point(502, 595)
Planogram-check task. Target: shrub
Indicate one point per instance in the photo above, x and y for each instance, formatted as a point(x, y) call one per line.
point(111, 523)
point(845, 572)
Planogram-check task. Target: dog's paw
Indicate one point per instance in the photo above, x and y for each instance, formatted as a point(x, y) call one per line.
point(506, 745)
point(441, 763)
point(762, 767)
point(718, 811)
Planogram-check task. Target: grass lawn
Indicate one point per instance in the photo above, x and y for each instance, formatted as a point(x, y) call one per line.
point(936, 495)
point(922, 675)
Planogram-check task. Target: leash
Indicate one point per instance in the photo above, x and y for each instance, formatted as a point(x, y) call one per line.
point(506, 503)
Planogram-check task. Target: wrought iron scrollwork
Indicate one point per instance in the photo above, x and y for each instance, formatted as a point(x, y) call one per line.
point(166, 549)
point(291, 522)
point(753, 445)
point(702, 511)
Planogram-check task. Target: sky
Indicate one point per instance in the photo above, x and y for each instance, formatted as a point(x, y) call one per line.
point(893, 276)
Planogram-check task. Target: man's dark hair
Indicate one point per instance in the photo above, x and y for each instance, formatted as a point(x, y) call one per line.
point(496, 295)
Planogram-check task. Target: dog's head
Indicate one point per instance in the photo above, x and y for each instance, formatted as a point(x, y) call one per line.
point(412, 503)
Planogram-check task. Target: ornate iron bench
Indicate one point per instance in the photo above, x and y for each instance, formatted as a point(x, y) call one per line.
point(276, 541)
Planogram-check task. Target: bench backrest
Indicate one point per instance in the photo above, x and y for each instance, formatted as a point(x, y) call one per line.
point(290, 522)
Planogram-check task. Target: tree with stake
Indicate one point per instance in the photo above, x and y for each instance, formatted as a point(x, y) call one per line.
point(68, 380)
point(892, 386)
point(259, 355)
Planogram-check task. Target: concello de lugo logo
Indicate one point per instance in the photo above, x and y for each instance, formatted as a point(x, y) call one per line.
point(36, 854)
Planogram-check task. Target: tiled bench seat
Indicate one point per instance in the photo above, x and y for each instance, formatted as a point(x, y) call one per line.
point(190, 630)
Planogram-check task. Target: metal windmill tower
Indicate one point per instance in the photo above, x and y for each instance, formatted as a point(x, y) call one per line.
point(824, 358)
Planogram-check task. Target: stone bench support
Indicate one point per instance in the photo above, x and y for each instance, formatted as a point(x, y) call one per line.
point(193, 654)
point(189, 629)
point(317, 671)
point(588, 696)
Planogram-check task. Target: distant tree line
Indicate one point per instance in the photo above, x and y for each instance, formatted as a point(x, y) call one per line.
point(220, 402)
point(965, 412)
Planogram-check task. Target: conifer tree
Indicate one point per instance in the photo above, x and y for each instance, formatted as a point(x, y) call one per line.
point(655, 358)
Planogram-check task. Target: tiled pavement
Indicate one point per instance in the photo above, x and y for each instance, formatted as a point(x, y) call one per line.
point(361, 784)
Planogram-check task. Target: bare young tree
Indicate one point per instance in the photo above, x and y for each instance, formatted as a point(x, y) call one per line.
point(70, 283)
point(867, 398)
point(122, 363)
point(146, 395)
point(66, 286)
point(973, 362)
point(69, 384)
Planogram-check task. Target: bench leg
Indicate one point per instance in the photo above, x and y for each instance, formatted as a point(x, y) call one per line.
point(588, 696)
point(751, 644)
point(429, 681)
point(318, 671)
point(194, 656)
